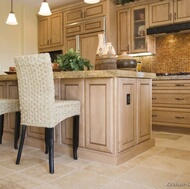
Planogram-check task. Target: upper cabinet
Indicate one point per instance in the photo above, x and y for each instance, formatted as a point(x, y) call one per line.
point(50, 31)
point(85, 12)
point(168, 12)
point(131, 32)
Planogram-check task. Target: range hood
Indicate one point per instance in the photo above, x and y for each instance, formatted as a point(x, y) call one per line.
point(168, 29)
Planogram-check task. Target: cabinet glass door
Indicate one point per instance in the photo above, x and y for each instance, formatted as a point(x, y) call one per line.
point(139, 30)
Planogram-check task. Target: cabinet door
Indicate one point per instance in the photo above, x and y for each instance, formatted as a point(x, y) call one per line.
point(2, 89)
point(98, 115)
point(161, 13)
point(56, 30)
point(87, 50)
point(73, 89)
point(123, 31)
point(144, 109)
point(74, 15)
point(181, 10)
point(12, 92)
point(126, 113)
point(70, 42)
point(43, 33)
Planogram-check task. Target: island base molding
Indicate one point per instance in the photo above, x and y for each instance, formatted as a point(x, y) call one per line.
point(87, 154)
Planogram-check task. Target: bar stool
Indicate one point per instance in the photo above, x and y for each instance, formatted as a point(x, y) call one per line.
point(38, 105)
point(8, 106)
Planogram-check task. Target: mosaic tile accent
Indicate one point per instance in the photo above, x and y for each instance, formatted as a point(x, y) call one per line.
point(172, 55)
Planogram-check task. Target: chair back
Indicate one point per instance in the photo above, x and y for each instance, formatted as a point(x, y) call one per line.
point(36, 89)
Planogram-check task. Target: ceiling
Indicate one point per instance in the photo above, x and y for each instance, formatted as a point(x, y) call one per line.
point(52, 3)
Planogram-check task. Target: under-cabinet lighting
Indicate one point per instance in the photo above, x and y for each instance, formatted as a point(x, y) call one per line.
point(141, 54)
point(91, 1)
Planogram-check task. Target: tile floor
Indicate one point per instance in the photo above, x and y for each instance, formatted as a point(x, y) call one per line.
point(165, 166)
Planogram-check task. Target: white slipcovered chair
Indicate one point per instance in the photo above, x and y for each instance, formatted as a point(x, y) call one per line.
point(37, 103)
point(8, 106)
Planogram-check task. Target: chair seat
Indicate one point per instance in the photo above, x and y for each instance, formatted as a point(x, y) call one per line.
point(9, 105)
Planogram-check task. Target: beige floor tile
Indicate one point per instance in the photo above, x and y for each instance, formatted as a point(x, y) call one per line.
point(25, 162)
point(4, 172)
point(19, 181)
point(77, 164)
point(48, 186)
point(107, 170)
point(141, 157)
point(148, 176)
point(41, 171)
point(7, 154)
point(167, 164)
point(82, 179)
point(175, 153)
point(121, 184)
point(169, 136)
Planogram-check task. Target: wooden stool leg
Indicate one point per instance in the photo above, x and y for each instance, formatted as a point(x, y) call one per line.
point(50, 139)
point(21, 144)
point(1, 127)
point(75, 135)
point(17, 130)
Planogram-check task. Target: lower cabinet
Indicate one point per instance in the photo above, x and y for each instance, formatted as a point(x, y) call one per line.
point(9, 89)
point(171, 103)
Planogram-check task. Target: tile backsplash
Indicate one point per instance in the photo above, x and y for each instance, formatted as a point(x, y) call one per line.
point(172, 55)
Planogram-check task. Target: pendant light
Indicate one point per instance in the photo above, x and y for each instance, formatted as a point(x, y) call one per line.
point(11, 20)
point(91, 1)
point(44, 9)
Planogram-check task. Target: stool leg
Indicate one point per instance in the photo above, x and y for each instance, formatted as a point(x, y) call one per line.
point(17, 130)
point(1, 127)
point(50, 141)
point(46, 140)
point(75, 135)
point(21, 144)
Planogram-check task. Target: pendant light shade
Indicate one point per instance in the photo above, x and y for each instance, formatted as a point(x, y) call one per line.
point(11, 20)
point(91, 1)
point(44, 9)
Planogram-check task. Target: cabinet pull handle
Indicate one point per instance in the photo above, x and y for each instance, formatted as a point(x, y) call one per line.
point(179, 98)
point(50, 41)
point(175, 16)
point(154, 115)
point(178, 117)
point(179, 85)
point(154, 85)
point(84, 14)
point(128, 48)
point(153, 98)
point(170, 16)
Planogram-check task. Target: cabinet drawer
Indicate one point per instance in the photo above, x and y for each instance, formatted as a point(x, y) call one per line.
point(171, 98)
point(171, 117)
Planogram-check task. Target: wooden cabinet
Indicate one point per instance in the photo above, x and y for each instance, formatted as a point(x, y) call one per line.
point(99, 119)
point(131, 31)
point(127, 112)
point(9, 89)
point(72, 89)
point(84, 12)
point(139, 40)
point(50, 31)
point(169, 12)
point(123, 34)
point(144, 109)
point(83, 44)
point(171, 103)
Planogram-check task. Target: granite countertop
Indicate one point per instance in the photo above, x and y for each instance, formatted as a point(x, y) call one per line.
point(182, 77)
point(92, 74)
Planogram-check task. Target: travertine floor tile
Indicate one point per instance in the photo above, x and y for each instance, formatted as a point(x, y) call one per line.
point(81, 179)
point(148, 176)
point(41, 171)
point(121, 184)
point(4, 172)
point(169, 136)
point(19, 181)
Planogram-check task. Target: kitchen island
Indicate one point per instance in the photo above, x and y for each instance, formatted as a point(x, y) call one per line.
point(116, 114)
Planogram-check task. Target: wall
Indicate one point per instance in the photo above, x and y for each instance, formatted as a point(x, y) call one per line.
point(172, 55)
point(20, 39)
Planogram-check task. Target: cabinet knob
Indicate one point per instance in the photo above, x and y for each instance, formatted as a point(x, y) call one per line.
point(154, 115)
point(153, 98)
point(154, 85)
